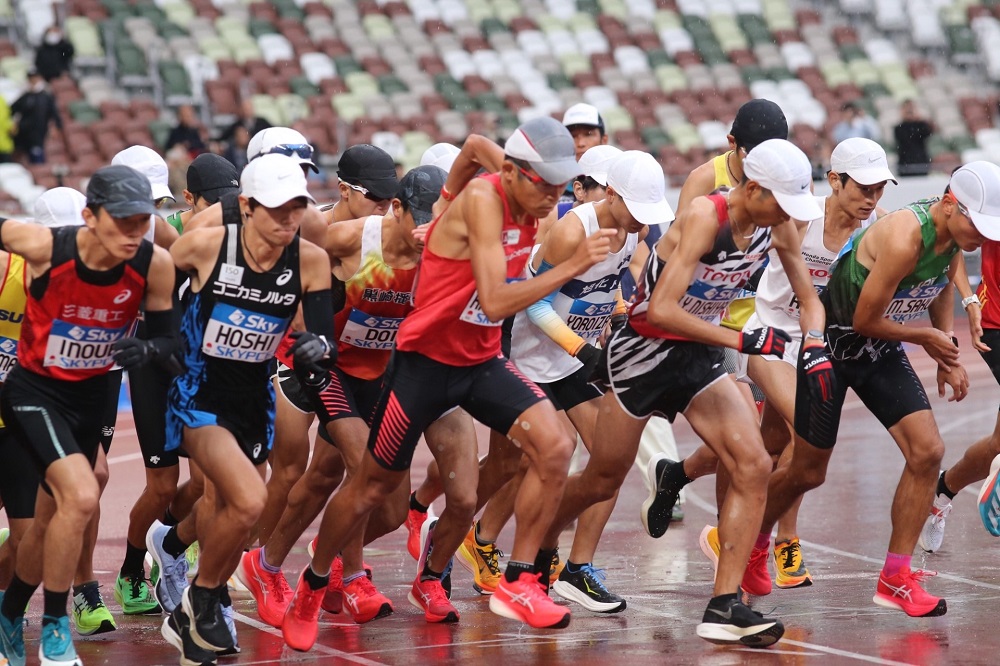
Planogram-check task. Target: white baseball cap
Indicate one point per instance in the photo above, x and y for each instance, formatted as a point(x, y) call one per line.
point(638, 179)
point(977, 187)
point(597, 160)
point(781, 167)
point(583, 114)
point(273, 181)
point(149, 163)
point(863, 160)
point(548, 147)
point(60, 207)
point(282, 141)
point(441, 155)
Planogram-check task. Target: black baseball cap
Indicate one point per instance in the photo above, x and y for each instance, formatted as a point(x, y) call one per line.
point(371, 168)
point(757, 121)
point(210, 176)
point(419, 189)
point(121, 190)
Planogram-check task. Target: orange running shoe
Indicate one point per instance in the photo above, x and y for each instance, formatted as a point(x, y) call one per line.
point(301, 624)
point(902, 591)
point(430, 597)
point(364, 602)
point(270, 590)
point(524, 601)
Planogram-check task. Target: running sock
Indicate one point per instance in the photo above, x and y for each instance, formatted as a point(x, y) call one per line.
point(942, 488)
point(262, 558)
point(55, 603)
point(77, 589)
point(426, 574)
point(314, 580)
point(573, 567)
point(513, 572)
point(543, 565)
point(169, 518)
point(479, 541)
point(224, 598)
point(172, 543)
point(673, 478)
point(894, 562)
point(16, 599)
point(415, 505)
point(763, 541)
point(134, 561)
point(354, 576)
point(722, 601)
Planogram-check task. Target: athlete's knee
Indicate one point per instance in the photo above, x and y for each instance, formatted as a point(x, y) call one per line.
point(80, 500)
point(925, 457)
point(102, 475)
point(752, 467)
point(248, 503)
point(461, 500)
point(551, 458)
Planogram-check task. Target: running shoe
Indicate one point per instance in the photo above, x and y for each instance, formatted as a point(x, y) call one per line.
point(56, 647)
point(301, 624)
point(172, 580)
point(270, 590)
point(555, 569)
point(586, 587)
point(756, 578)
point(677, 514)
point(176, 629)
point(4, 535)
point(426, 545)
point(732, 621)
point(657, 509)
point(482, 561)
point(364, 602)
point(902, 591)
point(989, 499)
point(90, 615)
point(932, 535)
point(192, 554)
point(414, 521)
point(524, 601)
point(229, 615)
point(790, 570)
point(430, 597)
point(709, 542)
point(12, 638)
point(133, 595)
point(208, 626)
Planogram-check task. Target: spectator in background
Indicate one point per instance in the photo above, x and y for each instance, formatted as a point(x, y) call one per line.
point(856, 123)
point(34, 111)
point(6, 132)
point(911, 134)
point(248, 120)
point(236, 149)
point(187, 133)
point(54, 55)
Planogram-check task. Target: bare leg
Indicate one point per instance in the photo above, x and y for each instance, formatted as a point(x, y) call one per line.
point(974, 465)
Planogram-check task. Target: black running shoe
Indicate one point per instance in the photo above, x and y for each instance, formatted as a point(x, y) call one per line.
point(176, 629)
point(657, 509)
point(586, 587)
point(208, 625)
point(731, 621)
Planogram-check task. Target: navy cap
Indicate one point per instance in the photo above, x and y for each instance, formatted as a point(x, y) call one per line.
point(370, 167)
point(121, 190)
point(210, 176)
point(757, 121)
point(419, 189)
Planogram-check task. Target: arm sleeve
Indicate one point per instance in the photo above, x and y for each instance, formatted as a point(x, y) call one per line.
point(621, 307)
point(317, 312)
point(544, 317)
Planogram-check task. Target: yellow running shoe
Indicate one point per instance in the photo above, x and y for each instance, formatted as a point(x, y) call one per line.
point(709, 542)
point(483, 562)
point(791, 569)
point(555, 568)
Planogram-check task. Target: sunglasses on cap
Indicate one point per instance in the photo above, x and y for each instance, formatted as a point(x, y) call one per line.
point(536, 180)
point(365, 192)
point(302, 150)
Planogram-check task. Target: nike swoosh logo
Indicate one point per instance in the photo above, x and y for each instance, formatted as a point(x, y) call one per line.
point(873, 159)
point(728, 615)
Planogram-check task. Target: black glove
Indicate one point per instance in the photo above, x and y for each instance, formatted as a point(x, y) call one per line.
point(589, 355)
point(312, 352)
point(618, 322)
point(814, 363)
point(765, 340)
point(130, 353)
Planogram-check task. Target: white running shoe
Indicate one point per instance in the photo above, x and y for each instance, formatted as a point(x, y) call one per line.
point(933, 533)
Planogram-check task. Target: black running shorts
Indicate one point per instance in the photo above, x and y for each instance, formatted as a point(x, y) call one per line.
point(111, 408)
point(148, 387)
point(887, 385)
point(18, 478)
point(343, 396)
point(572, 390)
point(991, 338)
point(292, 390)
point(418, 390)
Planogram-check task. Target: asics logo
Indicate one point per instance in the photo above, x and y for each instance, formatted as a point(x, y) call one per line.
point(263, 586)
point(523, 599)
point(902, 591)
point(352, 601)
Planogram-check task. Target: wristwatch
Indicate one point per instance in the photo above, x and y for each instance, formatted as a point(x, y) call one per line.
point(815, 335)
point(966, 302)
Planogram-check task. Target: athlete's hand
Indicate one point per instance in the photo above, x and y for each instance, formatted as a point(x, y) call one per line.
point(940, 347)
point(765, 340)
point(130, 353)
point(815, 364)
point(976, 327)
point(593, 250)
point(420, 233)
point(957, 378)
point(310, 350)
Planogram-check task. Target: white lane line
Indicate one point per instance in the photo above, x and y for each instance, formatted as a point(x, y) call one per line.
point(318, 648)
point(128, 457)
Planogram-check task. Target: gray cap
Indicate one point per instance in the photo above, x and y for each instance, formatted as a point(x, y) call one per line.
point(419, 189)
point(121, 190)
point(548, 147)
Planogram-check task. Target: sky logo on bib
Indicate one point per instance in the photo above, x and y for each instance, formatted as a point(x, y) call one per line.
point(370, 332)
point(237, 317)
point(242, 335)
point(74, 347)
point(8, 346)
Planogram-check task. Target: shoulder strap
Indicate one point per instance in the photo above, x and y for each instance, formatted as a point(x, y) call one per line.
point(719, 163)
point(231, 242)
point(230, 208)
point(721, 208)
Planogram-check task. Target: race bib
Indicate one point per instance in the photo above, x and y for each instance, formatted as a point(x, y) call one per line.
point(75, 347)
point(242, 335)
point(370, 332)
point(707, 301)
point(588, 319)
point(910, 304)
point(473, 313)
point(8, 357)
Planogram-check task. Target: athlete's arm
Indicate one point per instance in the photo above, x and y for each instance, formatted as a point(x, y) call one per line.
point(785, 240)
point(498, 298)
point(699, 182)
point(161, 334)
point(160, 281)
point(697, 237)
point(973, 310)
point(31, 241)
point(342, 242)
point(164, 234)
point(477, 153)
point(195, 253)
point(898, 245)
point(210, 217)
point(315, 266)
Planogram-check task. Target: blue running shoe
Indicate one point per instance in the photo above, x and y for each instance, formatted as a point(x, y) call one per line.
point(173, 570)
point(12, 638)
point(989, 499)
point(229, 617)
point(56, 647)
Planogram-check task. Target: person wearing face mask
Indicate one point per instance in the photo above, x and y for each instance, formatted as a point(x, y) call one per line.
point(54, 55)
point(34, 111)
